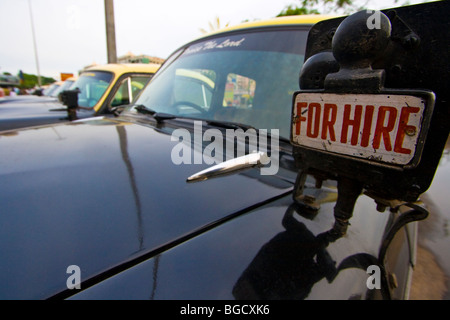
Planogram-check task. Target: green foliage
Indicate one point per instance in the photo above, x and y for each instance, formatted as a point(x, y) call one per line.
point(312, 7)
point(293, 11)
point(31, 81)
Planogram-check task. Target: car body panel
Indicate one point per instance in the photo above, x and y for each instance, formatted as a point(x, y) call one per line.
point(66, 221)
point(61, 225)
point(270, 253)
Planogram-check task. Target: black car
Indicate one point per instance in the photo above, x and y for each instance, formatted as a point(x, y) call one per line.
point(189, 193)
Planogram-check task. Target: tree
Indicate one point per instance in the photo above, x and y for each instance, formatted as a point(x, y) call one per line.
point(326, 6)
point(213, 26)
point(30, 81)
point(293, 11)
point(332, 6)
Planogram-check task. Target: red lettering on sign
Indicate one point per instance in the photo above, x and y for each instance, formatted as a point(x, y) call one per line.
point(403, 127)
point(329, 119)
point(382, 130)
point(368, 115)
point(313, 127)
point(324, 124)
point(380, 127)
point(355, 123)
point(300, 105)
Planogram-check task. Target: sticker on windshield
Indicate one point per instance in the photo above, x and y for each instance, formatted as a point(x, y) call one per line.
point(213, 44)
point(381, 127)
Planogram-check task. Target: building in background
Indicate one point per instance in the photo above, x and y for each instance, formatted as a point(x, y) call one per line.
point(131, 58)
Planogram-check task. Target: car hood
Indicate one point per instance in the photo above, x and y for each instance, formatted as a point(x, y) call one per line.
point(99, 193)
point(31, 106)
point(21, 113)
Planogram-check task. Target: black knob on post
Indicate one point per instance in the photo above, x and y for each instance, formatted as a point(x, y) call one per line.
point(359, 40)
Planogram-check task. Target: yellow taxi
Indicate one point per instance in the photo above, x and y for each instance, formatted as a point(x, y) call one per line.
point(112, 85)
point(296, 20)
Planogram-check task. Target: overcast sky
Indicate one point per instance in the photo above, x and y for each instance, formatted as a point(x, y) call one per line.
point(70, 34)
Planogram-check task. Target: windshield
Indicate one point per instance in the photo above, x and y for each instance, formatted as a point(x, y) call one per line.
point(51, 89)
point(92, 85)
point(66, 85)
point(247, 78)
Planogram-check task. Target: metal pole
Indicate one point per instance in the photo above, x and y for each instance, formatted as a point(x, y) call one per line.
point(110, 31)
point(35, 47)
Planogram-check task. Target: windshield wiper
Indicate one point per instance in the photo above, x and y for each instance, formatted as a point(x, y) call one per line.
point(143, 109)
point(236, 125)
point(229, 125)
point(158, 116)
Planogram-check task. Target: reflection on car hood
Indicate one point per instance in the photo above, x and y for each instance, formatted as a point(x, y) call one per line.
point(24, 99)
point(98, 193)
point(35, 112)
point(29, 107)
